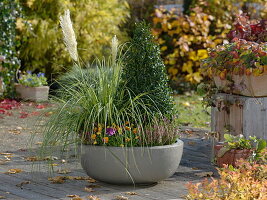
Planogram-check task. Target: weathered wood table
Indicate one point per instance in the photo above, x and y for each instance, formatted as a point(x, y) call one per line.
point(236, 115)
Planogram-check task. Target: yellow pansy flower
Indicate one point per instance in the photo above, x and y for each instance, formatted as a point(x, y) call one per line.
point(105, 140)
point(93, 136)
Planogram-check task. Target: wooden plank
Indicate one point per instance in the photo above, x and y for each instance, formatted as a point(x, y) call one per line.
point(236, 115)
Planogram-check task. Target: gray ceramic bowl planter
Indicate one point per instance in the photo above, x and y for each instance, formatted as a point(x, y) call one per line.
point(131, 165)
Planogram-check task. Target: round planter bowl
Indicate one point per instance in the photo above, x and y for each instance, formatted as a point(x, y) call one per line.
point(131, 165)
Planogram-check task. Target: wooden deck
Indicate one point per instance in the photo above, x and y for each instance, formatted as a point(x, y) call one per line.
point(33, 184)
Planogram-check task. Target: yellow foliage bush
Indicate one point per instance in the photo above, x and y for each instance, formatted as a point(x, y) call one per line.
point(184, 40)
point(95, 23)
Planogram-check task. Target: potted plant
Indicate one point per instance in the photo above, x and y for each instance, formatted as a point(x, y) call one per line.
point(237, 147)
point(126, 136)
point(240, 67)
point(32, 87)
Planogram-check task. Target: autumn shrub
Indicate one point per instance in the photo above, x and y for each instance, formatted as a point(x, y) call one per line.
point(184, 40)
point(96, 22)
point(247, 182)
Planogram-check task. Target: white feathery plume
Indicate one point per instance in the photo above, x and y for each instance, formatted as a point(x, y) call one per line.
point(114, 48)
point(69, 35)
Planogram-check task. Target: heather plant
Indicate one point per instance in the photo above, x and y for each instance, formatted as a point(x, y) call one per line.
point(145, 73)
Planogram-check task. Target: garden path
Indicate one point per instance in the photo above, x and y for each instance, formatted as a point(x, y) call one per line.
point(22, 179)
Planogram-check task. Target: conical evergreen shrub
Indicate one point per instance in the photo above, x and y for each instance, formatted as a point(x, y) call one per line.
point(144, 71)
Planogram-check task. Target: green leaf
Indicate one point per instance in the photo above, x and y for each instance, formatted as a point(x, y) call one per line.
point(261, 145)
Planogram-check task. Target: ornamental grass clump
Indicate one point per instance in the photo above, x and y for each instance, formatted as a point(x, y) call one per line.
point(95, 106)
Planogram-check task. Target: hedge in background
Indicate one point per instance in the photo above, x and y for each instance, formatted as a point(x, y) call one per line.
point(95, 23)
point(184, 38)
point(10, 10)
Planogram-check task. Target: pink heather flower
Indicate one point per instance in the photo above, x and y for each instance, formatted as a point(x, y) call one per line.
point(110, 131)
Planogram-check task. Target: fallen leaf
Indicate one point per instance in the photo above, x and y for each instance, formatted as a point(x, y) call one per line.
point(91, 180)
point(119, 197)
point(40, 106)
point(88, 189)
point(72, 195)
point(58, 179)
point(32, 158)
point(14, 131)
point(186, 104)
point(204, 174)
point(23, 183)
point(93, 198)
point(130, 193)
point(19, 128)
point(54, 164)
point(192, 143)
point(2, 197)
point(13, 171)
point(51, 158)
point(63, 171)
point(38, 143)
point(93, 186)
point(6, 153)
point(195, 168)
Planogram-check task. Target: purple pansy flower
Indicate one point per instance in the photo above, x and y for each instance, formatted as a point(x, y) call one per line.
point(110, 131)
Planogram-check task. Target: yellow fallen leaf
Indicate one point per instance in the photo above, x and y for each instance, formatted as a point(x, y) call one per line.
point(32, 158)
point(130, 193)
point(63, 171)
point(93, 198)
point(88, 189)
point(2, 197)
point(186, 104)
point(91, 180)
point(6, 153)
point(54, 164)
point(57, 179)
point(13, 171)
point(72, 195)
point(119, 197)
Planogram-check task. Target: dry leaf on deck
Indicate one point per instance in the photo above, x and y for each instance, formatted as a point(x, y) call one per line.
point(23, 183)
point(91, 180)
point(88, 189)
point(57, 179)
point(131, 193)
point(93, 198)
point(32, 158)
point(3, 162)
point(93, 186)
point(6, 154)
point(63, 171)
point(204, 174)
point(119, 197)
point(191, 143)
point(2, 197)
point(72, 195)
point(13, 171)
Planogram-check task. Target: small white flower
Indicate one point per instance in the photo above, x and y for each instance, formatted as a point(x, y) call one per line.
point(69, 35)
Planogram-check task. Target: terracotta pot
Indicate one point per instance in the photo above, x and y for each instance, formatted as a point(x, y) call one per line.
point(231, 157)
point(252, 86)
point(32, 93)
